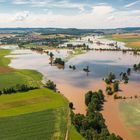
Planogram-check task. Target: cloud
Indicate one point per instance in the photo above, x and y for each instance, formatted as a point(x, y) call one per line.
point(131, 4)
point(21, 16)
point(101, 16)
point(52, 4)
point(102, 9)
point(20, 2)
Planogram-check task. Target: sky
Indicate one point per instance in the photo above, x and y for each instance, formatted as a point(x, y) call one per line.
point(87, 14)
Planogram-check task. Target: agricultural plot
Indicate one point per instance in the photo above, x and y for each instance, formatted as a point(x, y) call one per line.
point(132, 40)
point(37, 114)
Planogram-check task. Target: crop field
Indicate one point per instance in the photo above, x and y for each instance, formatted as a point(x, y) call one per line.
point(130, 111)
point(31, 101)
point(37, 114)
point(132, 40)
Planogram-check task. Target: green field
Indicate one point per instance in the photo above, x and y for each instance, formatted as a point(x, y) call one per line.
point(31, 101)
point(130, 111)
point(37, 114)
point(10, 77)
point(132, 40)
point(74, 135)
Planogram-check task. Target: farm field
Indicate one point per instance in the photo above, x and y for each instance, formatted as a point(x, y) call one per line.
point(130, 112)
point(32, 115)
point(132, 40)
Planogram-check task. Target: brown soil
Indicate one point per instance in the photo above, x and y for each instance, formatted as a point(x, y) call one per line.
point(6, 70)
point(128, 35)
point(134, 44)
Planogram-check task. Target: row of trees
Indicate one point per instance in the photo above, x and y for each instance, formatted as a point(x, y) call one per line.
point(17, 88)
point(92, 125)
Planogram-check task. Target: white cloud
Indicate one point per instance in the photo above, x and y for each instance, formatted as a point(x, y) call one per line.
point(51, 4)
point(103, 9)
point(102, 16)
point(21, 16)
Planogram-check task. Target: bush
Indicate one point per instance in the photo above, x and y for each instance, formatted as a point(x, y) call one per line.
point(59, 61)
point(116, 86)
point(71, 105)
point(110, 78)
point(109, 90)
point(51, 85)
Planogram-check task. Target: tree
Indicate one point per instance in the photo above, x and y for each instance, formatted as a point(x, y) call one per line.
point(71, 105)
point(128, 71)
point(88, 97)
point(50, 85)
point(110, 78)
point(109, 90)
point(51, 57)
point(116, 86)
point(59, 61)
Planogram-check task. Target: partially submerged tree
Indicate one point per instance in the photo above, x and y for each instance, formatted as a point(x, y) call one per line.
point(51, 85)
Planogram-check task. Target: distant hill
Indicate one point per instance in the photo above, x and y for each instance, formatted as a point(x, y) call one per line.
point(73, 31)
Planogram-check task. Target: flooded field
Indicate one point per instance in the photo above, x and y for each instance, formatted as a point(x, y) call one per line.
point(75, 83)
point(95, 42)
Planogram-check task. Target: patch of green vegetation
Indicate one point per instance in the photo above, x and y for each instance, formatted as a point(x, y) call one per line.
point(31, 101)
point(28, 77)
point(13, 77)
point(4, 61)
point(44, 125)
point(74, 53)
point(74, 135)
point(130, 111)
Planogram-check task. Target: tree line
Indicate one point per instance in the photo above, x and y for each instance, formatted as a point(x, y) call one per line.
point(17, 88)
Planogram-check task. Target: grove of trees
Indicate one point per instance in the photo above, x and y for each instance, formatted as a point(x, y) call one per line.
point(92, 125)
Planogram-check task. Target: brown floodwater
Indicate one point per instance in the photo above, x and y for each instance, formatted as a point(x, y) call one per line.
point(74, 84)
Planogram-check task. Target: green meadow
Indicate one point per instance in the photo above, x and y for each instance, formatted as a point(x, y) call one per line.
point(31, 101)
point(130, 111)
point(10, 77)
point(37, 114)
